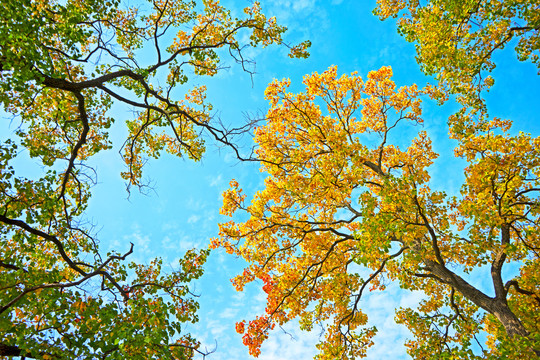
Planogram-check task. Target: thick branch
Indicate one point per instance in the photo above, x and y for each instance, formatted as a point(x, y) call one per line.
point(9, 266)
point(98, 271)
point(11, 350)
point(497, 264)
point(21, 224)
point(470, 292)
point(520, 290)
point(79, 144)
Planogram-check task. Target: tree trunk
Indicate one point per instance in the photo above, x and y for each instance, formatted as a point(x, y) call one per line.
point(510, 321)
point(496, 306)
point(9, 350)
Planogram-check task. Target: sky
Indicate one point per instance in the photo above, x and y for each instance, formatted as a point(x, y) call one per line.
point(182, 209)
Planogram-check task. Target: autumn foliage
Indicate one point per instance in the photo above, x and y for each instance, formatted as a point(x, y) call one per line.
point(348, 207)
point(63, 65)
point(456, 41)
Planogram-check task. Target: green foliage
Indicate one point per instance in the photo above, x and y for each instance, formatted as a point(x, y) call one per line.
point(62, 66)
point(456, 40)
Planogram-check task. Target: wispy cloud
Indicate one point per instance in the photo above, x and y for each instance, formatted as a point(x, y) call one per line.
point(303, 5)
point(215, 181)
point(193, 219)
point(228, 313)
point(289, 343)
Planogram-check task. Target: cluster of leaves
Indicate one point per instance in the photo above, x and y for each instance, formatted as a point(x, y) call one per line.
point(335, 202)
point(455, 40)
point(341, 197)
point(62, 66)
point(344, 196)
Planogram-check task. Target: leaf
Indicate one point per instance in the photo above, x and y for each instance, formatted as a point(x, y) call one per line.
point(63, 66)
point(335, 207)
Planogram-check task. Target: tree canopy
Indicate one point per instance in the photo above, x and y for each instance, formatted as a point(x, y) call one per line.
point(348, 205)
point(347, 208)
point(456, 41)
point(63, 64)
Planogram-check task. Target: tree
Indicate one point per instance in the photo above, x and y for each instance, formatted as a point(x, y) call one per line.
point(346, 192)
point(456, 40)
point(63, 64)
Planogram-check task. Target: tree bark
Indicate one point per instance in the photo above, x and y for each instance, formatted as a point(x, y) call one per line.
point(496, 306)
point(10, 350)
point(509, 320)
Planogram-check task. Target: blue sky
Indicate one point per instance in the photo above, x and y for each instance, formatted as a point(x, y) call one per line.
point(182, 210)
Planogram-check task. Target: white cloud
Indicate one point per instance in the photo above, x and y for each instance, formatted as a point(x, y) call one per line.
point(174, 263)
point(196, 204)
point(216, 181)
point(167, 243)
point(290, 344)
point(304, 5)
point(239, 296)
point(217, 328)
point(179, 241)
point(141, 241)
point(380, 308)
point(193, 219)
point(228, 313)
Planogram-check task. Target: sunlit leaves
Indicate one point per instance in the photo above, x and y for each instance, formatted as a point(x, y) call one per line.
point(348, 194)
point(63, 66)
point(305, 231)
point(455, 40)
